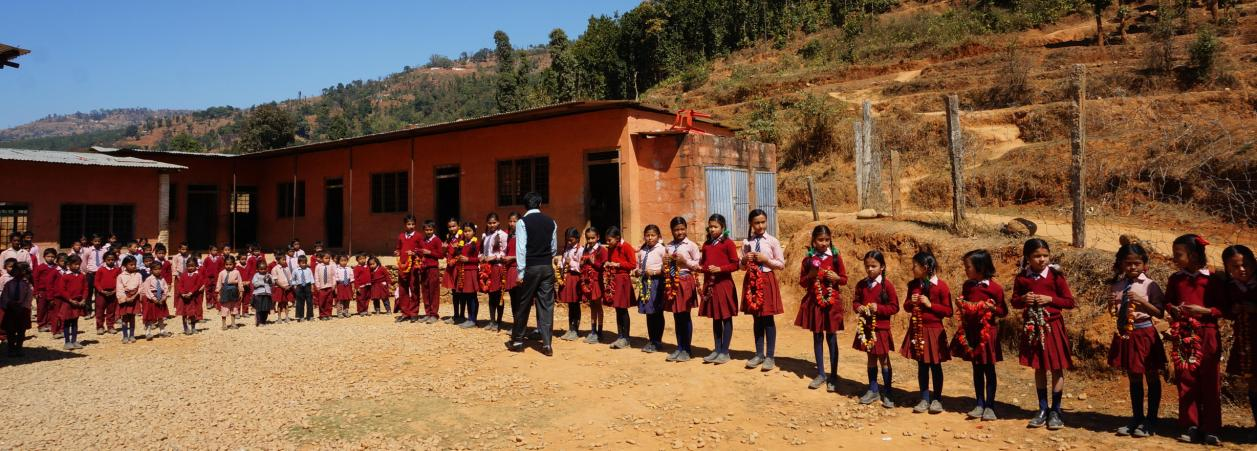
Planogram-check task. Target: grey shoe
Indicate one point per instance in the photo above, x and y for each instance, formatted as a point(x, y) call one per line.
point(682, 357)
point(830, 385)
point(449, 320)
point(769, 364)
point(592, 338)
point(1054, 421)
point(722, 359)
point(434, 320)
point(619, 343)
point(754, 362)
point(869, 397)
point(988, 414)
point(921, 407)
point(1211, 440)
point(817, 382)
point(711, 357)
point(1127, 430)
point(886, 401)
point(1039, 420)
point(1192, 435)
point(467, 324)
point(569, 336)
point(68, 347)
point(936, 407)
point(78, 346)
point(672, 357)
point(649, 348)
point(976, 412)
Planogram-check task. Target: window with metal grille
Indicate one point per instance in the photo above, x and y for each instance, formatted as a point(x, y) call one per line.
point(518, 177)
point(14, 218)
point(390, 192)
point(79, 220)
point(292, 202)
point(243, 202)
point(173, 199)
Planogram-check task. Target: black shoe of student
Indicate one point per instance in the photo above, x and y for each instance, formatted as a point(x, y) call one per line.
point(514, 346)
point(399, 319)
point(1039, 420)
point(547, 351)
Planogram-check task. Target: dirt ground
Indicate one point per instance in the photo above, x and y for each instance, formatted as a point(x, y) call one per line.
point(371, 383)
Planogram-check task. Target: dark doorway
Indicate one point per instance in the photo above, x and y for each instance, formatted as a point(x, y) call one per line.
point(202, 216)
point(604, 189)
point(447, 193)
point(334, 213)
point(244, 217)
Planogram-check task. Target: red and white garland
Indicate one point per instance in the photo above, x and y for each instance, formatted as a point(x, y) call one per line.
point(865, 330)
point(969, 312)
point(755, 287)
point(1183, 335)
point(1036, 325)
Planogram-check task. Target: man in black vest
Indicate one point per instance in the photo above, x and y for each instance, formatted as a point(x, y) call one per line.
point(535, 244)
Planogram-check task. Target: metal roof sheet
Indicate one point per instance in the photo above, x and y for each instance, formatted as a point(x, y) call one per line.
point(81, 158)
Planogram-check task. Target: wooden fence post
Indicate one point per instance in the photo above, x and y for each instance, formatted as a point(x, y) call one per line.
point(811, 195)
point(956, 148)
point(1078, 147)
point(872, 163)
point(857, 162)
point(894, 183)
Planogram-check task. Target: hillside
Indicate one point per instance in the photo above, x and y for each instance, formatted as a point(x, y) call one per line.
point(80, 123)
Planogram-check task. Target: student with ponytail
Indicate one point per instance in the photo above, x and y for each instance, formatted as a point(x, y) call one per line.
point(1042, 293)
point(820, 311)
point(718, 296)
point(621, 259)
point(761, 294)
point(928, 301)
point(681, 258)
point(874, 303)
point(1195, 300)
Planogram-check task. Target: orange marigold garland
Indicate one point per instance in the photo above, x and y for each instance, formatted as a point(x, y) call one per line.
point(1115, 310)
point(865, 330)
point(672, 281)
point(916, 330)
point(822, 289)
point(970, 312)
point(485, 270)
point(755, 286)
point(1183, 335)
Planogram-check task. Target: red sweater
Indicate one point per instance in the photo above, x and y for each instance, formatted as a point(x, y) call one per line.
point(435, 246)
point(73, 287)
point(826, 261)
point(189, 283)
point(362, 276)
point(46, 277)
point(722, 254)
point(625, 256)
point(940, 302)
point(1054, 286)
point(973, 291)
point(381, 276)
point(106, 279)
point(867, 293)
point(1197, 289)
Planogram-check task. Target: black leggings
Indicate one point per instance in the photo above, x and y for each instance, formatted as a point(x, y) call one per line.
point(260, 319)
point(722, 332)
point(984, 384)
point(622, 322)
point(924, 373)
point(495, 306)
point(827, 338)
point(573, 317)
point(684, 329)
point(765, 335)
point(654, 328)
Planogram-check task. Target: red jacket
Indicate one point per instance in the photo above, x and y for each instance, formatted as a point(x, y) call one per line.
point(940, 302)
point(362, 276)
point(1053, 285)
point(73, 287)
point(189, 283)
point(107, 279)
point(407, 246)
point(867, 293)
point(435, 246)
point(381, 276)
point(46, 277)
point(624, 255)
point(1197, 289)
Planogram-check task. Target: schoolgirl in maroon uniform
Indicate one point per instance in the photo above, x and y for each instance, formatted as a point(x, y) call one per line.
point(128, 297)
point(980, 307)
point(928, 301)
point(189, 292)
point(408, 296)
point(512, 272)
point(246, 263)
point(681, 259)
point(718, 297)
point(154, 293)
point(592, 258)
point(72, 301)
point(46, 275)
point(380, 282)
point(493, 252)
point(1042, 293)
point(430, 249)
point(648, 274)
point(452, 233)
point(210, 266)
point(1195, 302)
point(618, 290)
point(467, 256)
point(106, 283)
point(1136, 347)
point(761, 294)
point(362, 285)
point(875, 302)
point(820, 311)
point(569, 291)
point(1242, 311)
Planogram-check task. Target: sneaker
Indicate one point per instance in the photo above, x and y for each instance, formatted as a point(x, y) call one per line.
point(1211, 440)
point(100, 331)
point(830, 385)
point(769, 364)
point(68, 347)
point(682, 357)
point(936, 407)
point(817, 382)
point(988, 414)
point(570, 335)
point(397, 320)
point(1192, 435)
point(869, 397)
point(1142, 431)
point(466, 325)
point(975, 413)
point(754, 362)
point(722, 359)
point(592, 338)
point(449, 320)
point(619, 343)
point(921, 407)
point(649, 348)
point(1054, 421)
point(486, 326)
point(711, 357)
point(1039, 420)
point(434, 320)
point(77, 345)
point(1127, 430)
point(672, 357)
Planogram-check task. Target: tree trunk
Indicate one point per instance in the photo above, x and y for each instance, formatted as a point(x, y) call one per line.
point(1100, 28)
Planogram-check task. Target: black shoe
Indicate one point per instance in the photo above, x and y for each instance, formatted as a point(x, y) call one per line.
point(514, 346)
point(399, 319)
point(1039, 420)
point(547, 351)
point(1054, 421)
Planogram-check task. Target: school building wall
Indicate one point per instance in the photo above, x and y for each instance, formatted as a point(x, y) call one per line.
point(45, 187)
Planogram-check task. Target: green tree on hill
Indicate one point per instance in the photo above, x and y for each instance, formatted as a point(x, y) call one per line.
point(267, 127)
point(509, 87)
point(560, 78)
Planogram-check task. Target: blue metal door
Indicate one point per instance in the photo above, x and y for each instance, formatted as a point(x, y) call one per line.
point(727, 190)
point(766, 197)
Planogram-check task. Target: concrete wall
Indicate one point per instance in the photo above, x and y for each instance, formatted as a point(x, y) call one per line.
point(48, 186)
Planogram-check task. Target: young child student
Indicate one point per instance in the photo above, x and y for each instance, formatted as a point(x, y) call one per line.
point(128, 286)
point(344, 285)
point(303, 289)
point(144, 262)
point(246, 263)
point(718, 295)
point(262, 292)
point(453, 233)
point(407, 252)
point(592, 258)
point(649, 273)
point(1137, 347)
point(211, 265)
point(154, 293)
point(430, 248)
point(618, 286)
point(16, 297)
point(46, 275)
point(874, 303)
point(1194, 309)
point(761, 294)
point(980, 306)
point(1041, 291)
point(508, 261)
point(1242, 294)
point(159, 257)
point(106, 283)
point(494, 241)
point(928, 302)
point(681, 257)
point(362, 285)
point(568, 282)
point(324, 285)
point(72, 301)
point(380, 281)
point(189, 294)
point(230, 284)
point(281, 286)
point(820, 311)
point(179, 261)
point(466, 255)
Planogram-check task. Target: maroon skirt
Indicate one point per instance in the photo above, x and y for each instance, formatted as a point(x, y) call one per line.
point(343, 292)
point(622, 286)
point(570, 293)
point(494, 285)
point(380, 291)
point(883, 345)
point(817, 318)
point(1053, 353)
point(934, 349)
point(687, 295)
point(771, 304)
point(1143, 351)
point(468, 281)
point(723, 302)
point(188, 307)
point(130, 308)
point(1243, 358)
point(987, 352)
point(591, 288)
point(154, 312)
point(512, 276)
point(67, 311)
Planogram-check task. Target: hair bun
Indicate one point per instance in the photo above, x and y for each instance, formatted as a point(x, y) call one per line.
point(1127, 240)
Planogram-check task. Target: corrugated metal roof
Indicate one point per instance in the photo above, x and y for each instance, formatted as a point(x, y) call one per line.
point(162, 152)
point(81, 158)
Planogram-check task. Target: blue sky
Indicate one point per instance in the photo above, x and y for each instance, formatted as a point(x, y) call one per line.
point(170, 54)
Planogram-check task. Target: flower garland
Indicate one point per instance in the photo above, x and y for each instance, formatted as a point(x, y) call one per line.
point(824, 291)
point(588, 278)
point(865, 330)
point(917, 331)
point(974, 311)
point(560, 278)
point(706, 288)
point(755, 287)
point(672, 282)
point(462, 250)
point(1130, 314)
point(485, 270)
point(1186, 342)
point(1036, 325)
point(608, 285)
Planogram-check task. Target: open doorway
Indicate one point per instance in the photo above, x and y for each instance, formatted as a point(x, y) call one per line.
point(334, 213)
point(244, 216)
point(603, 203)
point(202, 214)
point(447, 193)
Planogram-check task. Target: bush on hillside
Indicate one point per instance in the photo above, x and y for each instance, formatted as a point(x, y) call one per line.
point(815, 135)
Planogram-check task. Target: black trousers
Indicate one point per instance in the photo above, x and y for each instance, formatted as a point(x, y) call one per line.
point(304, 303)
point(539, 284)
